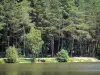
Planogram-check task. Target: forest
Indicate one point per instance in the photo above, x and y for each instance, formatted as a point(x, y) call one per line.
point(44, 27)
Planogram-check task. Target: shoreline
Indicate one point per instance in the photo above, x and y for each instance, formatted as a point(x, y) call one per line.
point(53, 60)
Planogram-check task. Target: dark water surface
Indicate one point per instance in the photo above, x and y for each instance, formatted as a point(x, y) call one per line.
point(51, 69)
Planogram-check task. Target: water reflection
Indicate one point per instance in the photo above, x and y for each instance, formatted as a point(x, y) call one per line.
point(25, 73)
point(3, 73)
point(51, 69)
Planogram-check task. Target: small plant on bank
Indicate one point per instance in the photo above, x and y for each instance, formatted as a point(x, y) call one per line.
point(62, 56)
point(11, 55)
point(33, 60)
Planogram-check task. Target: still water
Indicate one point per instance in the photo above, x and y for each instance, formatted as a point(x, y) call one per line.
point(51, 69)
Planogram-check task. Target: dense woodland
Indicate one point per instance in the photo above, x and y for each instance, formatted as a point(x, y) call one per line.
point(44, 27)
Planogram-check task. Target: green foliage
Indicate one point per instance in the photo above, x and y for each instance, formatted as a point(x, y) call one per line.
point(34, 41)
point(12, 55)
point(62, 56)
point(14, 21)
point(33, 60)
point(22, 22)
point(47, 17)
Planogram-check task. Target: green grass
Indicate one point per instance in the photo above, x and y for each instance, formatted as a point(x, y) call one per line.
point(23, 60)
point(82, 59)
point(47, 60)
point(2, 61)
point(53, 60)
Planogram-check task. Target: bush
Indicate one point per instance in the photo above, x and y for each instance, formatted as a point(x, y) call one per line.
point(33, 60)
point(59, 59)
point(11, 55)
point(62, 56)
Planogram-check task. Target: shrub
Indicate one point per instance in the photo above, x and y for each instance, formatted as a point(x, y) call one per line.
point(33, 60)
point(11, 55)
point(62, 56)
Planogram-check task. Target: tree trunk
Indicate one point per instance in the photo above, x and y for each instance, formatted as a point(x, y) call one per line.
point(58, 44)
point(94, 51)
point(24, 40)
point(52, 45)
point(8, 40)
point(80, 48)
point(72, 47)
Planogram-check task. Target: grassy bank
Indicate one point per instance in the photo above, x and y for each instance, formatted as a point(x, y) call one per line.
point(2, 61)
point(25, 60)
point(83, 59)
point(53, 60)
point(47, 60)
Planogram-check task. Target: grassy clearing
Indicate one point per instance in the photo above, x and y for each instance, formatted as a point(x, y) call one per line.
point(71, 59)
point(53, 60)
point(47, 60)
point(29, 60)
point(82, 59)
point(2, 61)
point(24, 60)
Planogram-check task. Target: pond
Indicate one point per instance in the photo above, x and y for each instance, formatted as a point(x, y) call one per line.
point(50, 69)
